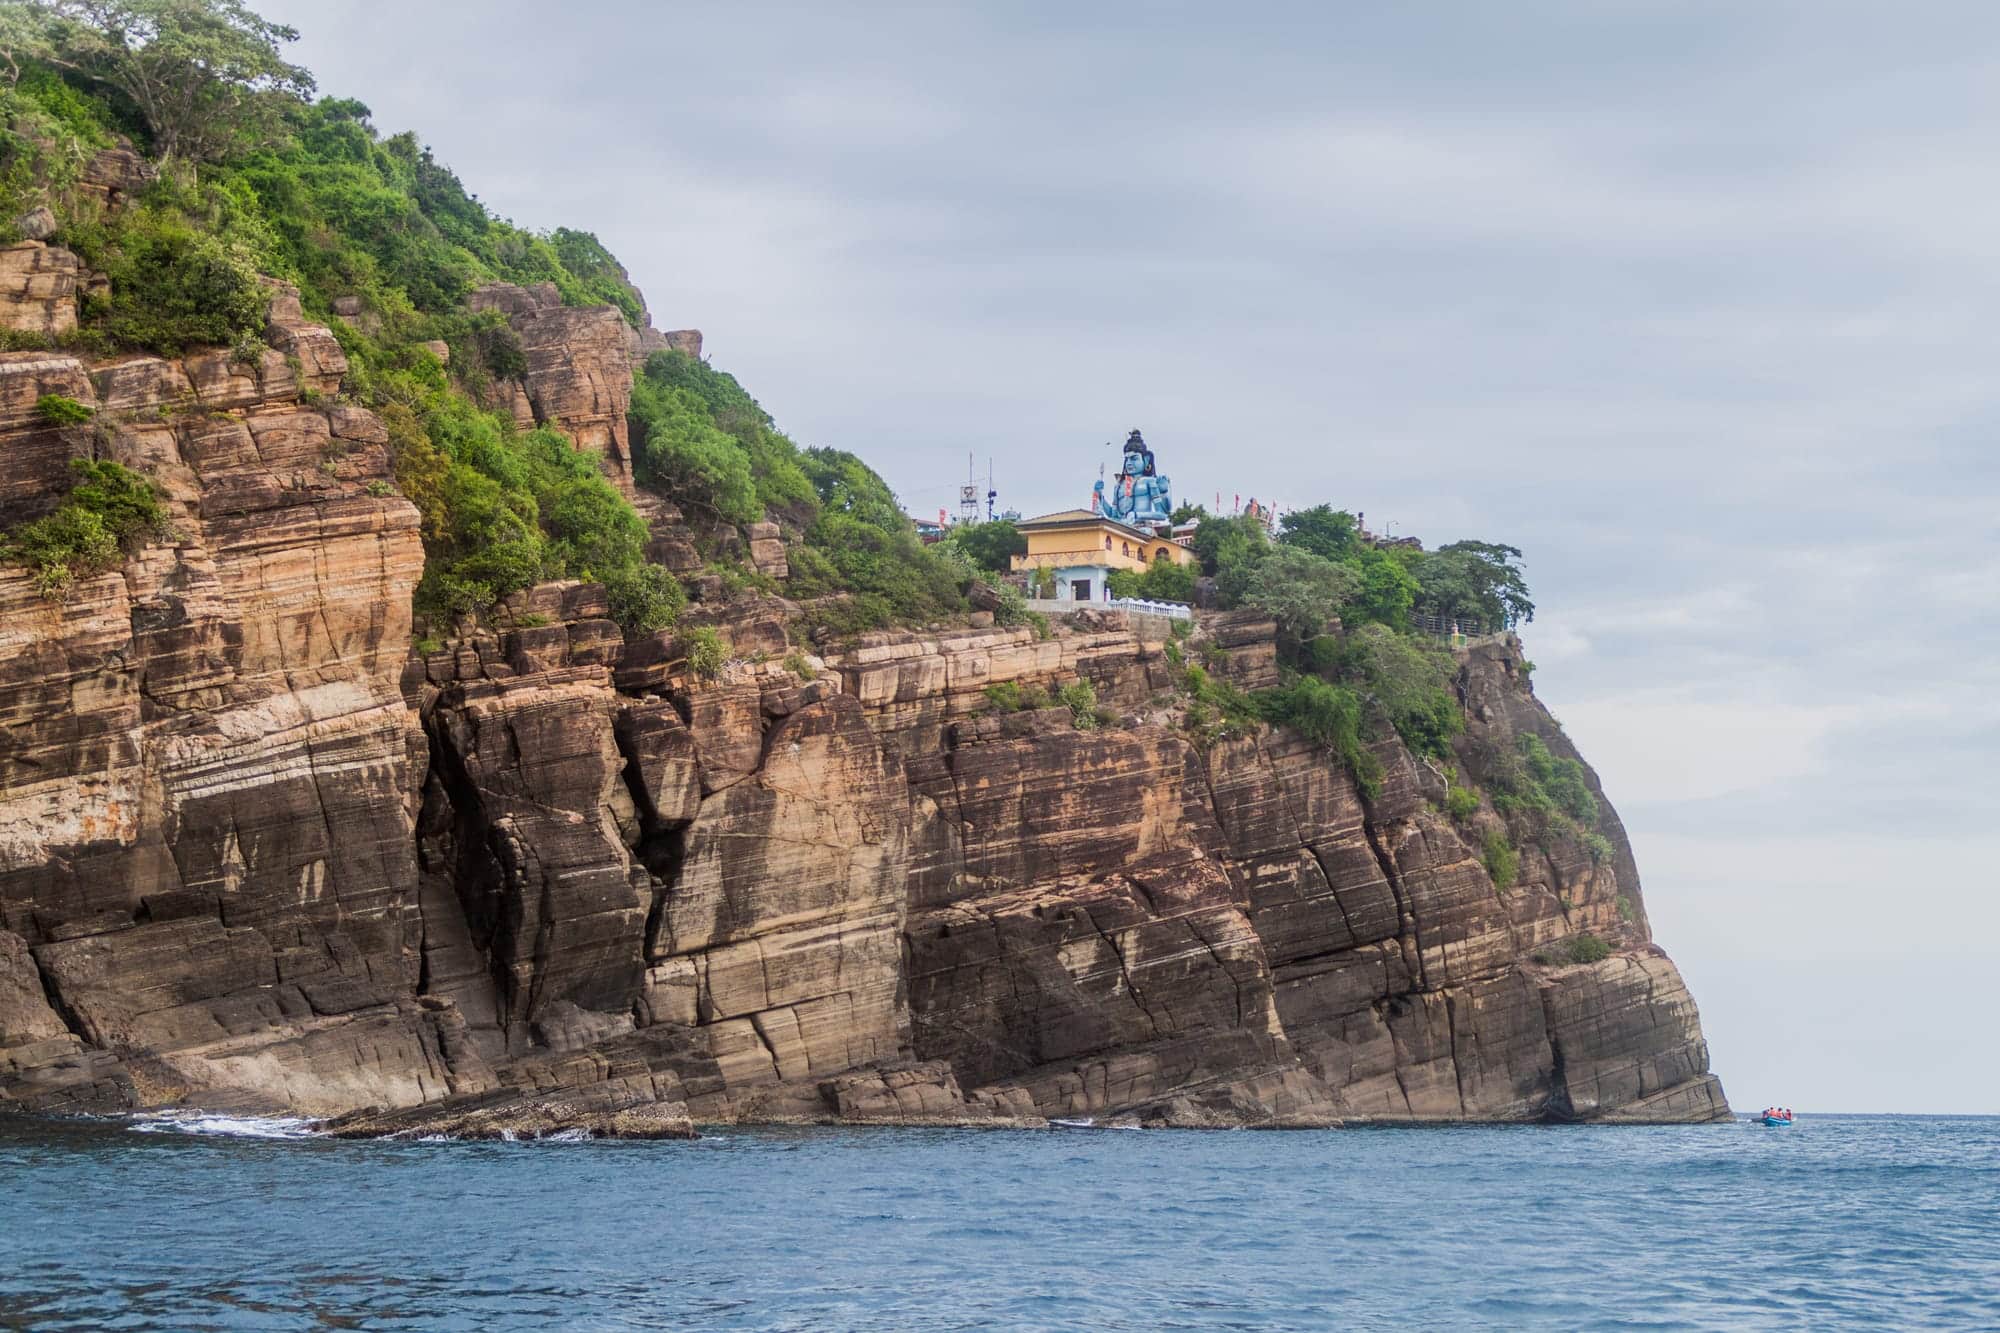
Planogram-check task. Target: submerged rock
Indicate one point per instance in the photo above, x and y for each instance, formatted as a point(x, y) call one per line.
point(510, 1118)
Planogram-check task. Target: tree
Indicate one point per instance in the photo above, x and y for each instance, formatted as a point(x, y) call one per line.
point(203, 74)
point(1230, 550)
point(1188, 513)
point(991, 546)
point(1474, 581)
point(1387, 589)
point(26, 33)
point(1323, 530)
point(1300, 590)
point(1163, 581)
point(683, 452)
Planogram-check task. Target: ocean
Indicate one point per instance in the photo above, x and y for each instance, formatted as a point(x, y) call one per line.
point(1838, 1222)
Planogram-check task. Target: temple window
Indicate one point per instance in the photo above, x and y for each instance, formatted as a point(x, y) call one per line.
point(1107, 541)
point(1125, 548)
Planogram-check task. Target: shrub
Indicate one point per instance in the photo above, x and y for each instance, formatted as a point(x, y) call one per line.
point(1228, 710)
point(57, 410)
point(685, 455)
point(503, 509)
point(107, 506)
point(863, 544)
point(1329, 716)
point(1563, 780)
point(643, 597)
point(1162, 581)
point(1411, 678)
point(1004, 696)
point(1461, 803)
point(1588, 949)
point(1502, 862)
point(1080, 697)
point(705, 653)
point(1530, 780)
point(501, 354)
point(173, 287)
point(797, 664)
point(711, 437)
point(1013, 608)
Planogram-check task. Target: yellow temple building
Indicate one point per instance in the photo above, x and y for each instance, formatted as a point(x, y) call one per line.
point(1082, 548)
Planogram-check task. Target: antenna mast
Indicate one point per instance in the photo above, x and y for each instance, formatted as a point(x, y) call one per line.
point(968, 494)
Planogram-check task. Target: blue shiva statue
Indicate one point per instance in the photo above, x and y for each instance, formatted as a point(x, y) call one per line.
point(1139, 496)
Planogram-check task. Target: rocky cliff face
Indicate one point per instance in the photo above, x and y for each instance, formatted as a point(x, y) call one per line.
point(255, 853)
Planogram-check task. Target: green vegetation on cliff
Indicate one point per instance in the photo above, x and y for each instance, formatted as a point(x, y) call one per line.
point(105, 507)
point(1164, 581)
point(504, 508)
point(254, 181)
point(1477, 583)
point(713, 449)
point(1354, 659)
point(991, 545)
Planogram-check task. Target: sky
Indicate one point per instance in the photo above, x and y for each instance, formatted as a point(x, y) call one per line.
point(1693, 302)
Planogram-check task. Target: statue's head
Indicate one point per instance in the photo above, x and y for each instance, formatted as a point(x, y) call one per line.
point(1138, 458)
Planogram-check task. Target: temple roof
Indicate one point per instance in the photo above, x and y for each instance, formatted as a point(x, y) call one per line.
point(1064, 518)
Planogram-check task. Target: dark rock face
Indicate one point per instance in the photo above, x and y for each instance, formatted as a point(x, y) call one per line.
point(860, 897)
point(205, 836)
point(254, 854)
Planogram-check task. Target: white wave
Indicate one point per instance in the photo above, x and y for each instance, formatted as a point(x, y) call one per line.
point(225, 1126)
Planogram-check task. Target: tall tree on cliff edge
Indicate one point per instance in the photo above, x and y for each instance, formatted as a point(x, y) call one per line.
point(205, 76)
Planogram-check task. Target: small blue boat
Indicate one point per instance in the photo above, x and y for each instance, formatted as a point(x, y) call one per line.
point(1777, 1117)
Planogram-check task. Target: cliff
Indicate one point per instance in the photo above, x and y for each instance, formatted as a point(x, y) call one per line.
point(268, 843)
point(256, 851)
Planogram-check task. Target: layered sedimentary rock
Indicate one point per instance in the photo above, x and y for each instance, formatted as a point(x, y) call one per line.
point(205, 790)
point(255, 852)
point(862, 894)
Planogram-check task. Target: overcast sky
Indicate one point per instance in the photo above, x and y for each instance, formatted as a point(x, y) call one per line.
point(1693, 302)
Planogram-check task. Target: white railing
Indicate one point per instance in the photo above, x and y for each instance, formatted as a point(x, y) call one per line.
point(1054, 606)
point(1172, 610)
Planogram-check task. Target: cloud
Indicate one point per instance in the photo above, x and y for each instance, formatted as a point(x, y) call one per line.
point(1686, 745)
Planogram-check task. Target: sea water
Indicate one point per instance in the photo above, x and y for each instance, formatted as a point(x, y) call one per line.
point(211, 1223)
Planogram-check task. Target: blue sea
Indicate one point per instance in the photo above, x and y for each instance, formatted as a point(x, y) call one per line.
point(1838, 1222)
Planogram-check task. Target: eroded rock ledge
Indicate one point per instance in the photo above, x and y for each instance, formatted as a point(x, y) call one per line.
point(253, 854)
